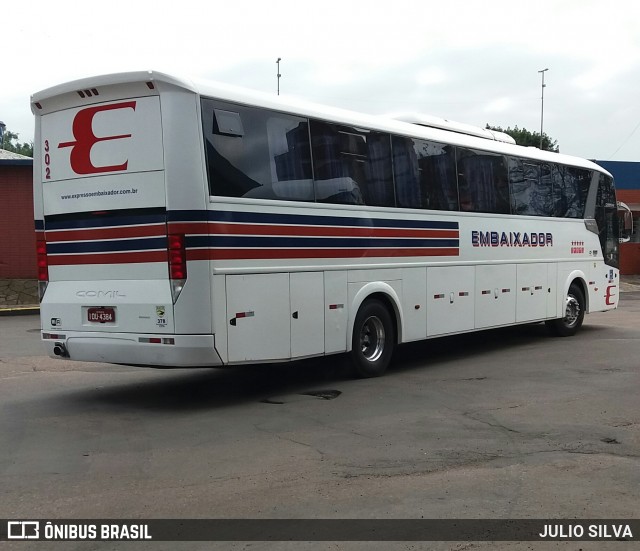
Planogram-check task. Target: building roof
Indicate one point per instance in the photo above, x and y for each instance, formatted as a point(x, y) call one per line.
point(11, 158)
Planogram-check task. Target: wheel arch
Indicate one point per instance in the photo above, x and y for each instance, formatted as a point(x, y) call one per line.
point(386, 294)
point(578, 277)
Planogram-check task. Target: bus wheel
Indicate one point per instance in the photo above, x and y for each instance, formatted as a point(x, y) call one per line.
point(568, 325)
point(373, 339)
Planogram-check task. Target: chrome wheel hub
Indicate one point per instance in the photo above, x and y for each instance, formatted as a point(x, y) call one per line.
point(572, 311)
point(372, 339)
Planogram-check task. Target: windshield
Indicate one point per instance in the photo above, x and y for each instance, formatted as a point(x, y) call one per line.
point(607, 219)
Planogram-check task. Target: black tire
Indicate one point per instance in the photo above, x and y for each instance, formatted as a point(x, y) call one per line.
point(373, 339)
point(570, 323)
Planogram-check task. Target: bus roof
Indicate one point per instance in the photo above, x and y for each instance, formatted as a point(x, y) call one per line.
point(419, 126)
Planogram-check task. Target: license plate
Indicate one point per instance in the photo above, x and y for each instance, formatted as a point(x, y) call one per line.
point(101, 315)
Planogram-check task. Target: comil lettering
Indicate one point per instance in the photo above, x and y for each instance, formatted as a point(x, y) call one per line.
point(511, 239)
point(99, 294)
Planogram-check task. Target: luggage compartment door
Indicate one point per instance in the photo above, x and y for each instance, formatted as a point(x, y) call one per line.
point(258, 317)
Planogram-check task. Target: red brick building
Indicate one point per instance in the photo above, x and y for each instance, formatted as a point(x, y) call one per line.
point(18, 243)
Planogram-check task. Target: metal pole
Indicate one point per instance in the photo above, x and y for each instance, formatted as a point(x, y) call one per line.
point(279, 75)
point(543, 71)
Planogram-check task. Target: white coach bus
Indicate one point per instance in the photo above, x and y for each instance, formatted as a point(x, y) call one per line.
point(189, 224)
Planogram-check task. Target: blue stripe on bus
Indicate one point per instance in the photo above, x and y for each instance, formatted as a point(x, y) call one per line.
point(304, 219)
point(313, 242)
point(106, 221)
point(244, 217)
point(108, 246)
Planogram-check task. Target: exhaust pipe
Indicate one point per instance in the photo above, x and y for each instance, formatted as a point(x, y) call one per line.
point(59, 349)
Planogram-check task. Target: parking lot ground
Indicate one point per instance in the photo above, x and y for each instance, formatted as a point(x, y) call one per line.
point(507, 423)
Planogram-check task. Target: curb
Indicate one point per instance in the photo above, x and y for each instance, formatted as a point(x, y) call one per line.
point(19, 311)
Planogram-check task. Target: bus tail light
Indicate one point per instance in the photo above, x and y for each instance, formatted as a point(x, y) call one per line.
point(43, 266)
point(177, 264)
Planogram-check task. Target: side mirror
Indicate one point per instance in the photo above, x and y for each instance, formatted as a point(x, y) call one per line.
point(626, 222)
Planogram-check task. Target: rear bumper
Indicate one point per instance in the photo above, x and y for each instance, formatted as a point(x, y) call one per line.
point(131, 348)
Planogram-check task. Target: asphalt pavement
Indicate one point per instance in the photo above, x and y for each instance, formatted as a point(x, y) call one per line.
point(506, 423)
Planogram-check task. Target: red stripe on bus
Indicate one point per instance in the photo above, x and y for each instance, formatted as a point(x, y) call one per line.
point(244, 254)
point(189, 228)
point(198, 254)
point(333, 231)
point(105, 233)
point(220, 228)
point(254, 254)
point(113, 258)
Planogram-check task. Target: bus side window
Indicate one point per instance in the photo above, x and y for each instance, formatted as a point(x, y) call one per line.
point(425, 174)
point(438, 175)
point(290, 157)
point(548, 189)
point(332, 179)
point(543, 202)
point(559, 203)
point(516, 183)
point(351, 165)
point(256, 153)
point(378, 171)
point(574, 192)
point(482, 182)
point(224, 149)
point(524, 181)
point(406, 173)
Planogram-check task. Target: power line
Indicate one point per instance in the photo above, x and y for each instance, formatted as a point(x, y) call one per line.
point(625, 142)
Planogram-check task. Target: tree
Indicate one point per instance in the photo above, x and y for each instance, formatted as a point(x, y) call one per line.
point(522, 136)
point(21, 148)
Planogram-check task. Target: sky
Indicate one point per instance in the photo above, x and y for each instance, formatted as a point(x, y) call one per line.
point(472, 61)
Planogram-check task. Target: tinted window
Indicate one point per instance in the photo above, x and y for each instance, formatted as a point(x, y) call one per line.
point(607, 220)
point(351, 165)
point(252, 152)
point(523, 177)
point(544, 189)
point(571, 195)
point(483, 185)
point(256, 153)
point(538, 189)
point(425, 174)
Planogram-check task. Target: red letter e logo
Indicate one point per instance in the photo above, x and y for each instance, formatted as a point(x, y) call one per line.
point(80, 157)
point(610, 297)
